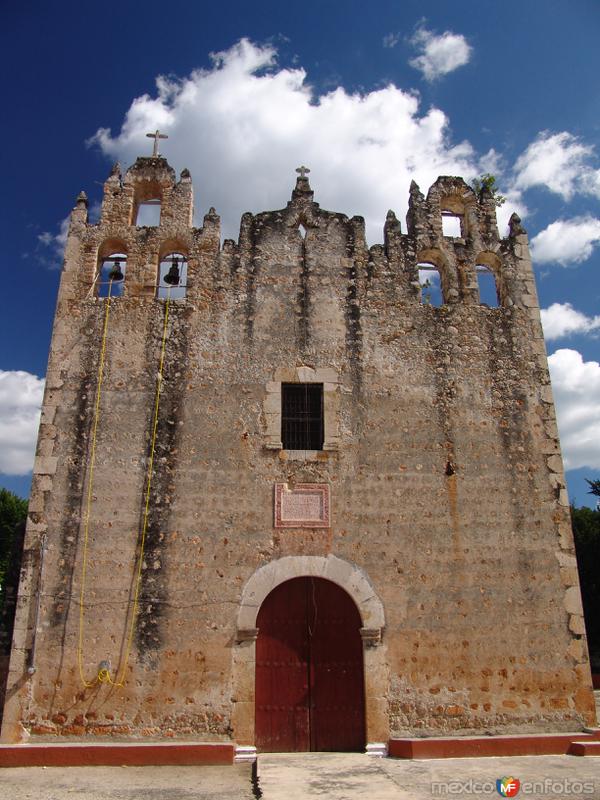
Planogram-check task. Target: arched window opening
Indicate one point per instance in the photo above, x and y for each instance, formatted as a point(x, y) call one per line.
point(302, 231)
point(172, 277)
point(431, 284)
point(488, 290)
point(110, 277)
point(451, 224)
point(148, 213)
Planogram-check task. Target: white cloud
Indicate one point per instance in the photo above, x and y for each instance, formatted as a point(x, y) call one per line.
point(513, 203)
point(561, 163)
point(243, 126)
point(576, 385)
point(391, 39)
point(20, 402)
point(561, 319)
point(566, 241)
point(56, 242)
point(439, 55)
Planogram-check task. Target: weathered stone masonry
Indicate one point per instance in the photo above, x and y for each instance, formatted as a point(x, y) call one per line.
point(450, 525)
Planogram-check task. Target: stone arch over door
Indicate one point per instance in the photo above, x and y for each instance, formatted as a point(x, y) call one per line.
point(357, 584)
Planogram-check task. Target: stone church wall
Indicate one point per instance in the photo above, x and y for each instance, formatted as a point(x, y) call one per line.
point(448, 501)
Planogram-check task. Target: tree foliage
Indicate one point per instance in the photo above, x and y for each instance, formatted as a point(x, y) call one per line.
point(487, 183)
point(586, 532)
point(594, 487)
point(13, 513)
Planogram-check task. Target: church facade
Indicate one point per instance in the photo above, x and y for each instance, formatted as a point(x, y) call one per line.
point(293, 492)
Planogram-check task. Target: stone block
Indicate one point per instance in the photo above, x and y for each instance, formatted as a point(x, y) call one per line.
point(572, 601)
point(45, 465)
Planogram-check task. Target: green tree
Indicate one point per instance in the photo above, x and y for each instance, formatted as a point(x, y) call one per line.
point(586, 532)
point(487, 182)
point(594, 487)
point(13, 513)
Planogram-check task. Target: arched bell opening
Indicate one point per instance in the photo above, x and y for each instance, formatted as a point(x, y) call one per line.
point(486, 284)
point(430, 281)
point(310, 686)
point(488, 272)
point(172, 276)
point(110, 276)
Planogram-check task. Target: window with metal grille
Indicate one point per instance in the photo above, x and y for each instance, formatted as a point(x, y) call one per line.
point(302, 416)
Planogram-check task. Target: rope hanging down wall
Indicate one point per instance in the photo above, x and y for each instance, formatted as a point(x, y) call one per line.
point(104, 673)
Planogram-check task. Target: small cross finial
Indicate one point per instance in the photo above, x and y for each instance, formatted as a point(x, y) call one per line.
point(303, 171)
point(156, 136)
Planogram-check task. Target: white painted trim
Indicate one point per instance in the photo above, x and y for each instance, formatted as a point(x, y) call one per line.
point(244, 753)
point(376, 749)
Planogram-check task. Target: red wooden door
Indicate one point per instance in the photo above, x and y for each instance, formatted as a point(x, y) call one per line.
point(309, 669)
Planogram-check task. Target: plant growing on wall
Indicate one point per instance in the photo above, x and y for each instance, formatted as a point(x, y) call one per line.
point(487, 183)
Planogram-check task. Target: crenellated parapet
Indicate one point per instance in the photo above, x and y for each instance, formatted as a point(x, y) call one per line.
point(147, 216)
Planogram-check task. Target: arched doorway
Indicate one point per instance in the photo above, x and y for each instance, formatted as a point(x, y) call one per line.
point(309, 669)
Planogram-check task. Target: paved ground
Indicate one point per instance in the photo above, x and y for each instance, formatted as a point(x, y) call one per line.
point(127, 783)
point(350, 776)
point(325, 775)
point(328, 776)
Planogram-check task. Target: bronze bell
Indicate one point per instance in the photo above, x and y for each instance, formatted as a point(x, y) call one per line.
point(172, 276)
point(115, 274)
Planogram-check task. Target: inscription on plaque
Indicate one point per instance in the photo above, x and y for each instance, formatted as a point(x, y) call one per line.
point(304, 506)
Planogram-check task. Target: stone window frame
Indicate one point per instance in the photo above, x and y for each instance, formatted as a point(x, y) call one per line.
point(331, 405)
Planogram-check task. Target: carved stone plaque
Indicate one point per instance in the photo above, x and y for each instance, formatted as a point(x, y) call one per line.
point(304, 506)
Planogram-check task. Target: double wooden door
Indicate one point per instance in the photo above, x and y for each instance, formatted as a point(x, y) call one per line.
point(309, 669)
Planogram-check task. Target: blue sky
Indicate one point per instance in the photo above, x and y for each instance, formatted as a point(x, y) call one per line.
point(369, 95)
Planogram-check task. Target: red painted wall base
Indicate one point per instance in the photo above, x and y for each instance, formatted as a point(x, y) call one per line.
point(109, 754)
point(543, 744)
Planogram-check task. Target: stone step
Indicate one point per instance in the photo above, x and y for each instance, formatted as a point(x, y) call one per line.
point(585, 749)
point(336, 776)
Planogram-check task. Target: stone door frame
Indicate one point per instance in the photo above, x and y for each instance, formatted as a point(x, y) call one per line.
point(352, 580)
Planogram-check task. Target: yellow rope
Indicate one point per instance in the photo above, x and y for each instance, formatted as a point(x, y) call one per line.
point(86, 523)
point(159, 380)
point(104, 675)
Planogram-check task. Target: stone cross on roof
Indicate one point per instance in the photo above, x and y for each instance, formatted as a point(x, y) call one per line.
point(303, 171)
point(156, 136)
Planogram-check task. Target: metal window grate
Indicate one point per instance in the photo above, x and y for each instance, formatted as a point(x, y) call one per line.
point(302, 416)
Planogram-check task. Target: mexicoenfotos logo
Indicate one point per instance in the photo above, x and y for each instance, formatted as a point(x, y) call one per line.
point(508, 786)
